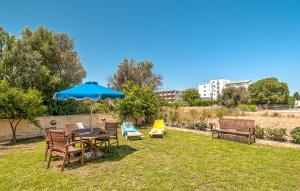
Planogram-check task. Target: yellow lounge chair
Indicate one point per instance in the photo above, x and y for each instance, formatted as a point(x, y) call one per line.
point(158, 129)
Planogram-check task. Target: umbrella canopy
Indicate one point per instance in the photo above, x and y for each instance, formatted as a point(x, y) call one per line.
point(89, 90)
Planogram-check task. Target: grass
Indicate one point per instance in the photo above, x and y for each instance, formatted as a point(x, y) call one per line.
point(180, 161)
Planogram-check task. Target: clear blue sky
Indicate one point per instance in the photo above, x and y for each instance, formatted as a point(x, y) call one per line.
point(189, 42)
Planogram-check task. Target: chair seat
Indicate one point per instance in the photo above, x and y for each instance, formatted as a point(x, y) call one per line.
point(231, 131)
point(71, 149)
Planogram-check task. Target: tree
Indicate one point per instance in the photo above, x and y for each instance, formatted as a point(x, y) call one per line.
point(140, 103)
point(296, 96)
point(190, 95)
point(232, 97)
point(291, 100)
point(44, 60)
point(6, 42)
point(140, 73)
point(269, 91)
point(16, 104)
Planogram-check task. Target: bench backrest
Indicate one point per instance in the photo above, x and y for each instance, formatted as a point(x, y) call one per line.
point(237, 124)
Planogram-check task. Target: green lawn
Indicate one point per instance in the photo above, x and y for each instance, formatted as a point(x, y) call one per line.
point(180, 161)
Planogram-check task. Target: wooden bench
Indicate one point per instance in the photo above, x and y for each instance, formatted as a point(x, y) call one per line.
point(242, 127)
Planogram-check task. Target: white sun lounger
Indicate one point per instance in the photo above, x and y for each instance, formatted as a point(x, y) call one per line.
point(134, 135)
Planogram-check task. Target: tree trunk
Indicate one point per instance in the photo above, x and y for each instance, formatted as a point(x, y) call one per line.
point(14, 135)
point(14, 129)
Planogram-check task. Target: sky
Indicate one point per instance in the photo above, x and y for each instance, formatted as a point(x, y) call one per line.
point(188, 41)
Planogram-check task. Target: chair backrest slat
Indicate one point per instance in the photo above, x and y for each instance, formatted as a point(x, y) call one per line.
point(237, 124)
point(58, 138)
point(47, 132)
point(69, 128)
point(112, 128)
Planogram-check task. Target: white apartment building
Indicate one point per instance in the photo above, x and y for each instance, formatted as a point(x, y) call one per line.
point(214, 88)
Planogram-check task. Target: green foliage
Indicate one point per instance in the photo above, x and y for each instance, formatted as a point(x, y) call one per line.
point(269, 91)
point(221, 112)
point(139, 73)
point(276, 134)
point(259, 132)
point(140, 103)
point(173, 117)
point(190, 95)
point(207, 113)
point(177, 103)
point(15, 105)
point(244, 107)
point(295, 134)
point(44, 60)
point(291, 100)
point(231, 97)
point(296, 96)
point(69, 107)
point(201, 126)
point(6, 41)
point(203, 102)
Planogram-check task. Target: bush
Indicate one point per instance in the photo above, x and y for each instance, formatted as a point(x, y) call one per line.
point(207, 113)
point(275, 114)
point(259, 132)
point(244, 107)
point(203, 102)
point(221, 112)
point(276, 134)
point(295, 134)
point(202, 126)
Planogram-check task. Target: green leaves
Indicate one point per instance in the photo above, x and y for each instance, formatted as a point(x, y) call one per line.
point(139, 103)
point(138, 72)
point(232, 97)
point(190, 95)
point(269, 91)
point(16, 104)
point(41, 59)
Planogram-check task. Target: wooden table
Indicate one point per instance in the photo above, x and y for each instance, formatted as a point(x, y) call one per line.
point(89, 138)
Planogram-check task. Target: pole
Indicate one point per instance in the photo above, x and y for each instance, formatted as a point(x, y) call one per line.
point(91, 116)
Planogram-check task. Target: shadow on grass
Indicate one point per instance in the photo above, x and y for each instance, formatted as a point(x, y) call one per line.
point(116, 154)
point(22, 141)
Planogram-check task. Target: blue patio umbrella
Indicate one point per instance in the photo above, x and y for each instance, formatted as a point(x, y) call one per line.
point(89, 90)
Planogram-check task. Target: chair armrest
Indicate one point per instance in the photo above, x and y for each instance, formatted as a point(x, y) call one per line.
point(73, 143)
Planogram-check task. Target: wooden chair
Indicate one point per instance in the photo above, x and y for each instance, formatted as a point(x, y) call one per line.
point(62, 148)
point(112, 130)
point(103, 140)
point(69, 128)
point(48, 140)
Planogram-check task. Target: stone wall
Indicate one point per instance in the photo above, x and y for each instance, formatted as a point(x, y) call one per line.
point(27, 130)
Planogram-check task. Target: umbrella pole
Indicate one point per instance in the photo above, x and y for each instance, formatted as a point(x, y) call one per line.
point(91, 116)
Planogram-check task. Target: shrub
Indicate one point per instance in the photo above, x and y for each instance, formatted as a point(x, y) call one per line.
point(259, 132)
point(244, 107)
point(265, 114)
point(202, 126)
point(173, 117)
point(221, 112)
point(275, 114)
point(203, 102)
point(276, 134)
point(207, 113)
point(295, 134)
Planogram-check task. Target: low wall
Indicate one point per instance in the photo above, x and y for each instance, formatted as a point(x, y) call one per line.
point(27, 130)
